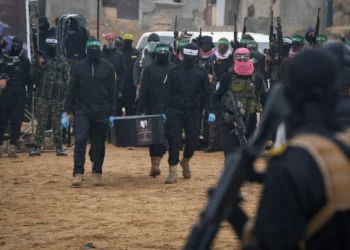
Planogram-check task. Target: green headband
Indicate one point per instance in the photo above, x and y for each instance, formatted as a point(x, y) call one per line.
point(183, 44)
point(298, 40)
point(348, 42)
point(162, 49)
point(322, 38)
point(224, 41)
point(245, 41)
point(93, 43)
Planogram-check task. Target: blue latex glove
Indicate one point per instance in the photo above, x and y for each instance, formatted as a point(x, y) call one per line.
point(111, 121)
point(164, 117)
point(64, 121)
point(142, 115)
point(212, 118)
point(120, 95)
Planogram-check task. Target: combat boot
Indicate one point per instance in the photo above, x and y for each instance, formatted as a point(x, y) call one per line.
point(13, 151)
point(77, 180)
point(60, 152)
point(172, 178)
point(96, 179)
point(36, 151)
point(211, 148)
point(186, 171)
point(155, 171)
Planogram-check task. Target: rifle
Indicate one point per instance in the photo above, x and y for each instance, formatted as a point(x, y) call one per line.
point(235, 34)
point(176, 35)
point(279, 39)
point(244, 26)
point(317, 27)
point(236, 109)
point(223, 203)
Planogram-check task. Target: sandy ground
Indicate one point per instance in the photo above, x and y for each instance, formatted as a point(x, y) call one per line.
point(40, 210)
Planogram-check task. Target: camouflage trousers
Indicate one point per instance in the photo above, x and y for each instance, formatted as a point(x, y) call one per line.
point(214, 133)
point(45, 106)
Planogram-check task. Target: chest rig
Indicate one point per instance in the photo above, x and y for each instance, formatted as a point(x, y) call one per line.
point(52, 84)
point(245, 90)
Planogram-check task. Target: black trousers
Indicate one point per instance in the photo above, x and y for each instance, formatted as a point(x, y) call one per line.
point(157, 150)
point(96, 131)
point(175, 124)
point(13, 101)
point(231, 142)
point(127, 101)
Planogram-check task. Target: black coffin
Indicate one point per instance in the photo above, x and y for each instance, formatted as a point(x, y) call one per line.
point(133, 131)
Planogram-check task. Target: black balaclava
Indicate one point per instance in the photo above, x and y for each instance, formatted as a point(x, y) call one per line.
point(162, 54)
point(93, 50)
point(190, 55)
point(311, 90)
point(51, 46)
point(16, 47)
point(342, 52)
point(119, 42)
point(127, 44)
point(245, 40)
point(44, 24)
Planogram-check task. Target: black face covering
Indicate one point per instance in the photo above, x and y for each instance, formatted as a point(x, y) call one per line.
point(127, 44)
point(94, 55)
point(50, 51)
point(44, 27)
point(189, 61)
point(15, 50)
point(162, 59)
point(286, 49)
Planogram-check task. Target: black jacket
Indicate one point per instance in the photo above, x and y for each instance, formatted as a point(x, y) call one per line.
point(92, 90)
point(181, 92)
point(294, 192)
point(152, 85)
point(116, 58)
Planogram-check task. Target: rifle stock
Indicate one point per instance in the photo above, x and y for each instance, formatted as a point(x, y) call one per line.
point(223, 203)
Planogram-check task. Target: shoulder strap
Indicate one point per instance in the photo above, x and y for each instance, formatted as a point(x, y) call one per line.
point(333, 162)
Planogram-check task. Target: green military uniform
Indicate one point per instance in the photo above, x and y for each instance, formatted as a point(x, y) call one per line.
point(50, 90)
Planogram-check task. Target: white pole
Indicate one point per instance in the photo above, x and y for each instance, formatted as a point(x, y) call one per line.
point(28, 30)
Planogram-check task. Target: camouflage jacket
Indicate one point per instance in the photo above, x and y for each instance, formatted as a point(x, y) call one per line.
point(52, 80)
point(143, 60)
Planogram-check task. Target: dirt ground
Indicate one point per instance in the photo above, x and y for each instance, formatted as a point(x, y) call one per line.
point(40, 210)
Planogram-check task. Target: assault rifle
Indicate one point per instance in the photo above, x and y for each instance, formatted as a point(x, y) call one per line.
point(244, 26)
point(224, 200)
point(236, 109)
point(176, 35)
point(235, 43)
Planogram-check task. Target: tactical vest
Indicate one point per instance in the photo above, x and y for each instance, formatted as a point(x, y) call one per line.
point(274, 73)
point(245, 90)
point(335, 169)
point(53, 84)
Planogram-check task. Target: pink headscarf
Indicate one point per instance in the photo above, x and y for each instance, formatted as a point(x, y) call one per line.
point(243, 68)
point(206, 54)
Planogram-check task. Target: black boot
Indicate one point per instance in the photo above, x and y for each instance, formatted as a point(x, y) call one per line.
point(37, 150)
point(211, 148)
point(60, 151)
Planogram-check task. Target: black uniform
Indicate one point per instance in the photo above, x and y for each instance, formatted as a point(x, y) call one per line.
point(150, 95)
point(129, 89)
point(92, 94)
point(45, 31)
point(116, 58)
point(14, 97)
point(181, 104)
point(293, 192)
